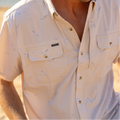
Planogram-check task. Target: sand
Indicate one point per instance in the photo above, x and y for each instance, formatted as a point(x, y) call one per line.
point(17, 81)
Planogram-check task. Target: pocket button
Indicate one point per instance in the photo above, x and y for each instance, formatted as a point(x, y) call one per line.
point(45, 56)
point(110, 43)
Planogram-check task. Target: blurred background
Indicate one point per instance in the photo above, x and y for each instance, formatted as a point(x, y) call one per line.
point(4, 6)
point(7, 3)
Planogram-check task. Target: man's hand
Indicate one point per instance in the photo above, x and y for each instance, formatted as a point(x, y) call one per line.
point(10, 101)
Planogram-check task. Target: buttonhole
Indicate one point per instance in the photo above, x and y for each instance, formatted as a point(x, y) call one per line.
point(56, 44)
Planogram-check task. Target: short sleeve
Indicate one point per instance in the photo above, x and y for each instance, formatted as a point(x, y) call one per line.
point(10, 60)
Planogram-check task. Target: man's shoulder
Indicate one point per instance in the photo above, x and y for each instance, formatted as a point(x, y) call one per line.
point(20, 5)
point(109, 3)
point(25, 7)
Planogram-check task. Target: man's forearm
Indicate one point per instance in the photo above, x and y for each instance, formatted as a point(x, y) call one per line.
point(10, 101)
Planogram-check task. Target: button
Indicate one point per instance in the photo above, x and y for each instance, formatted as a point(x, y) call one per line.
point(110, 43)
point(80, 78)
point(56, 14)
point(45, 56)
point(79, 102)
point(70, 29)
point(81, 53)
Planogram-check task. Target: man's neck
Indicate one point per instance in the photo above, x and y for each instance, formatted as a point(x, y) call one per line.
point(73, 7)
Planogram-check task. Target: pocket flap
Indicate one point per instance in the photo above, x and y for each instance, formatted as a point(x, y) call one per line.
point(108, 41)
point(46, 52)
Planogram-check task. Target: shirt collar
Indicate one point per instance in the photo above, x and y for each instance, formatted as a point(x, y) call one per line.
point(51, 7)
point(53, 10)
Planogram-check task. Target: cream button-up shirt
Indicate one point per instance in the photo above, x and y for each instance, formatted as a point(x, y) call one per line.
point(62, 78)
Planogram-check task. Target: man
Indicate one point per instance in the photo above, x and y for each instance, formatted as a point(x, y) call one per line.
point(65, 50)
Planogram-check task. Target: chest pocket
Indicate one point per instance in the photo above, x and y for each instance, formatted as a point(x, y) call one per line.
point(48, 63)
point(108, 46)
point(108, 41)
point(46, 52)
point(105, 51)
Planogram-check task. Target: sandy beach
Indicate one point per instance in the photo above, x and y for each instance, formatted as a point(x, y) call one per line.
point(17, 81)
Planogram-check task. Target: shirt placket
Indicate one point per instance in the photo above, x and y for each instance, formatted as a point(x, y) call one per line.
point(81, 77)
point(72, 33)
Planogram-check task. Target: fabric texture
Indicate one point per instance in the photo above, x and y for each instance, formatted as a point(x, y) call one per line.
point(62, 78)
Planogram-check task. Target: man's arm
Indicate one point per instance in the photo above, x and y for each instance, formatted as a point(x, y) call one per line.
point(10, 101)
